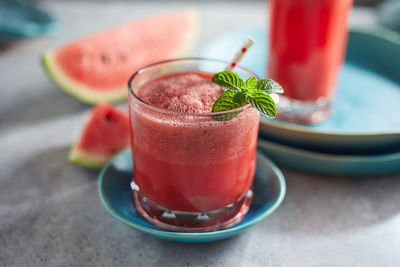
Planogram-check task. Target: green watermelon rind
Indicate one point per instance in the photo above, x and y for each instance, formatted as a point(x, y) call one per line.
point(93, 96)
point(89, 160)
point(76, 89)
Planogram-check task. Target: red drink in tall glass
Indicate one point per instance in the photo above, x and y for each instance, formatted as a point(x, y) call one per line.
point(307, 47)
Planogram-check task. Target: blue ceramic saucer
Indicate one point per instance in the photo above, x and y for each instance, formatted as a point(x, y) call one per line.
point(330, 164)
point(116, 195)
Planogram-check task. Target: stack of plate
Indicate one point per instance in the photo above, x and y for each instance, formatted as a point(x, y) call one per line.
point(362, 136)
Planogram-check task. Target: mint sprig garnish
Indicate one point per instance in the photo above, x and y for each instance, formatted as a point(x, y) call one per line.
point(238, 93)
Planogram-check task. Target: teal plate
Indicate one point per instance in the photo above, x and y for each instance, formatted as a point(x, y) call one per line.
point(116, 195)
point(330, 164)
point(366, 112)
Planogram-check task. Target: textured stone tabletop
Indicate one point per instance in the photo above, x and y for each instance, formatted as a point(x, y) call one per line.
point(50, 212)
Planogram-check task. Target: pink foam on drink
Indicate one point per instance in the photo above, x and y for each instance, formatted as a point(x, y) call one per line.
point(188, 139)
point(183, 92)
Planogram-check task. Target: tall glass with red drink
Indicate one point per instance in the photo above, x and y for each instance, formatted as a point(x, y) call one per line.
point(191, 171)
point(307, 47)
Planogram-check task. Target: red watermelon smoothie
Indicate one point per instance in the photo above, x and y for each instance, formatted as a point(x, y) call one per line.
point(307, 47)
point(191, 172)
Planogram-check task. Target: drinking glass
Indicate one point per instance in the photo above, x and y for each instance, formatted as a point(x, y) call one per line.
point(307, 48)
point(192, 172)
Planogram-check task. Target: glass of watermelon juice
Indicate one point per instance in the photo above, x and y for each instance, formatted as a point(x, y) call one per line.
point(192, 172)
point(307, 47)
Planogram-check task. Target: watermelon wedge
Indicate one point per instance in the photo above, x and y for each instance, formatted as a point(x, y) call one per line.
point(97, 68)
point(105, 134)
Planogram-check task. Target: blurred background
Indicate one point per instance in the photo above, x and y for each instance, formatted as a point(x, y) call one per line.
point(356, 2)
point(50, 211)
point(28, 28)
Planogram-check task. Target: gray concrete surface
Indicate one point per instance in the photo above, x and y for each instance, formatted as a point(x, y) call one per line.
point(51, 215)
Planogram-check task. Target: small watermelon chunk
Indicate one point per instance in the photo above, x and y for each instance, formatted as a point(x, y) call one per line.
point(105, 134)
point(97, 68)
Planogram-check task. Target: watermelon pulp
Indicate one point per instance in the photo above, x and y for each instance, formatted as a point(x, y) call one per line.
point(97, 68)
point(105, 134)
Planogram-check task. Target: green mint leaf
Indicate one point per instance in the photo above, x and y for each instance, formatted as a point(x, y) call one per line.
point(251, 83)
point(262, 102)
point(229, 80)
point(269, 86)
point(227, 101)
point(240, 99)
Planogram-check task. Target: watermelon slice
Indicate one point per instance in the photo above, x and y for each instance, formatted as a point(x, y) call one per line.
point(105, 134)
point(97, 68)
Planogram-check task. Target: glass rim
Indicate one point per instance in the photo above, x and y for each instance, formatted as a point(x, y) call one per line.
point(181, 113)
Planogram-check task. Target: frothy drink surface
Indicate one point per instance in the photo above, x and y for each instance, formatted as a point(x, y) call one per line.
point(182, 91)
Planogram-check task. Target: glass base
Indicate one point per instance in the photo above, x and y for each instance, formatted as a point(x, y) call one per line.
point(306, 112)
point(182, 221)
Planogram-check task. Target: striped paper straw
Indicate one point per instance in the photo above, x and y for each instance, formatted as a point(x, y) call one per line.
point(239, 54)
